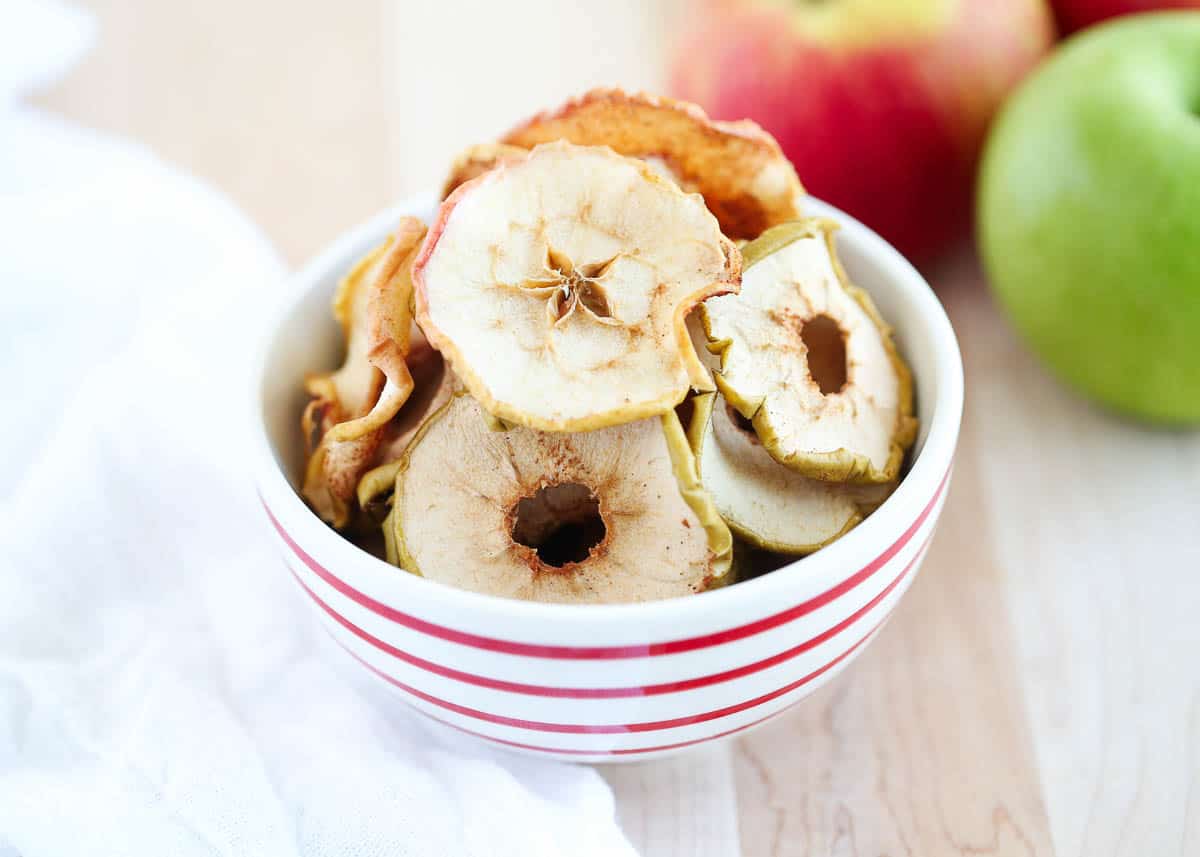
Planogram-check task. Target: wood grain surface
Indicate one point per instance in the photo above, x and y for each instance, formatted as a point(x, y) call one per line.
point(1036, 693)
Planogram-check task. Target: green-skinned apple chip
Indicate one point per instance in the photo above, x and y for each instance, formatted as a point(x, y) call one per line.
point(770, 506)
point(612, 515)
point(805, 356)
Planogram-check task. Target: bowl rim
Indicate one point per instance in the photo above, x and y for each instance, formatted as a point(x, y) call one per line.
point(920, 488)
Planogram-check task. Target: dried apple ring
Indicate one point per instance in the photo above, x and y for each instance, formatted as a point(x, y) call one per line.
point(343, 423)
point(557, 288)
point(771, 506)
point(613, 515)
point(477, 160)
point(807, 359)
point(737, 167)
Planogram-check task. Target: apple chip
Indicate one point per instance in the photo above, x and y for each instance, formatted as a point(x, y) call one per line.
point(770, 506)
point(613, 515)
point(737, 167)
point(557, 288)
point(478, 160)
point(434, 384)
point(807, 359)
point(351, 405)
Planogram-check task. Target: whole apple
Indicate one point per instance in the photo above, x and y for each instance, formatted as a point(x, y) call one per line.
point(1089, 214)
point(1076, 14)
point(881, 104)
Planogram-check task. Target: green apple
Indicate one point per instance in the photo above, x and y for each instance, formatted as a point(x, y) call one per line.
point(1089, 214)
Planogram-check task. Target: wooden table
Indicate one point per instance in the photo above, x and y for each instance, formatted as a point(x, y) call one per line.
point(1037, 692)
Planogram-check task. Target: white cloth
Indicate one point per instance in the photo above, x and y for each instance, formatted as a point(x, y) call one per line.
point(162, 689)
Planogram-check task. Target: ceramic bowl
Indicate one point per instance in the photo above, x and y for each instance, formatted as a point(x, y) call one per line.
point(619, 682)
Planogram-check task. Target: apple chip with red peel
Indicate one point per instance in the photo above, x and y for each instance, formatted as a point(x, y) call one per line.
point(737, 167)
point(767, 504)
point(433, 386)
point(352, 405)
point(806, 357)
point(380, 326)
point(557, 288)
point(613, 515)
point(479, 159)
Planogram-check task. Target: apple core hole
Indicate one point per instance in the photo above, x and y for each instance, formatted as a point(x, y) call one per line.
point(561, 523)
point(826, 344)
point(577, 285)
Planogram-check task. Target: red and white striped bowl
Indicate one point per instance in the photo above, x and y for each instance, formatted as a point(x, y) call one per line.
point(621, 682)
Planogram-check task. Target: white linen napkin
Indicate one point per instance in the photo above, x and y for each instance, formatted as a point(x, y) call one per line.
point(162, 691)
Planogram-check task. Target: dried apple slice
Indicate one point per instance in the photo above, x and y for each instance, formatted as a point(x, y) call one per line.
point(613, 515)
point(737, 167)
point(770, 506)
point(380, 328)
point(434, 385)
point(479, 159)
point(338, 397)
point(557, 288)
point(806, 357)
point(351, 405)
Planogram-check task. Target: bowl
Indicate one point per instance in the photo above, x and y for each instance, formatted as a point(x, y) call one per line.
point(606, 682)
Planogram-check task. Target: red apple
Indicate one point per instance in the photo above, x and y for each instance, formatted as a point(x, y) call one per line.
point(1076, 14)
point(882, 105)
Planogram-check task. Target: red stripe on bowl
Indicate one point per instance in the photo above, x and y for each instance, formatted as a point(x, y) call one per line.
point(622, 751)
point(607, 728)
point(628, 751)
point(537, 650)
point(612, 692)
point(615, 729)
